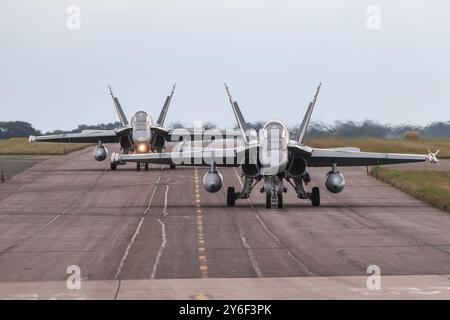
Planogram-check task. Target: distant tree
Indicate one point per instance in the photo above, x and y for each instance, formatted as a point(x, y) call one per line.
point(205, 125)
point(257, 125)
point(81, 127)
point(437, 130)
point(16, 129)
point(209, 125)
point(372, 129)
point(366, 129)
point(176, 125)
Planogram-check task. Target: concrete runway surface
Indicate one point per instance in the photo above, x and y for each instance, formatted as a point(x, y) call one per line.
point(159, 235)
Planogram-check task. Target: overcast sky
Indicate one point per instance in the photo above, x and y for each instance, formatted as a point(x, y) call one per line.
point(271, 53)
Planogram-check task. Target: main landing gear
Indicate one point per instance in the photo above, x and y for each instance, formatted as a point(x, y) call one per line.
point(274, 190)
point(232, 195)
point(314, 195)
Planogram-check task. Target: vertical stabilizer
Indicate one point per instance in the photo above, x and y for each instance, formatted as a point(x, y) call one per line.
point(122, 117)
point(165, 109)
point(238, 114)
point(307, 117)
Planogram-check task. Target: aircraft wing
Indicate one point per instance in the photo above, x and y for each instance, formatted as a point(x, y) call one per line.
point(349, 157)
point(160, 130)
point(189, 134)
point(226, 157)
point(91, 136)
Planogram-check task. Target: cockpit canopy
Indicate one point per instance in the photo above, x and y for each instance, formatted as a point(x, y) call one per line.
point(275, 128)
point(141, 117)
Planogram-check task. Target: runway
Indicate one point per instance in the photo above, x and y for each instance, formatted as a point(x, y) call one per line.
point(121, 226)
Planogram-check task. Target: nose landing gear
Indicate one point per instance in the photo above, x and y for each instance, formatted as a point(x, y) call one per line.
point(274, 189)
point(138, 166)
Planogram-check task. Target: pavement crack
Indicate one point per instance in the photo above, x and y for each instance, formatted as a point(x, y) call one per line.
point(117, 290)
point(161, 249)
point(250, 251)
point(270, 233)
point(136, 232)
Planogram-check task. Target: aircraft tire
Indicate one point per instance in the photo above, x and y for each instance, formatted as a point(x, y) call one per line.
point(231, 198)
point(315, 197)
point(280, 201)
point(268, 200)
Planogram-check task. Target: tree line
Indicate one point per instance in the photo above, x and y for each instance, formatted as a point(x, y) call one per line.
point(365, 129)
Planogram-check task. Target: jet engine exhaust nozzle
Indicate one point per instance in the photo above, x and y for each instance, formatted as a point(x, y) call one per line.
point(250, 170)
point(296, 167)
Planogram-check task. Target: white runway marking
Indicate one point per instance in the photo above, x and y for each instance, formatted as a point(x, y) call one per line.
point(153, 195)
point(161, 249)
point(50, 222)
point(127, 250)
point(165, 201)
point(133, 238)
point(294, 258)
point(250, 252)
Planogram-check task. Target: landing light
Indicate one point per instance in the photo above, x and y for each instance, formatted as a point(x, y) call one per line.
point(142, 147)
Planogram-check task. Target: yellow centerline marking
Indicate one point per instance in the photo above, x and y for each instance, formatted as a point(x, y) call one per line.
point(200, 235)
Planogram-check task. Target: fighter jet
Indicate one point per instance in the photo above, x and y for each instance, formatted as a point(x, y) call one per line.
point(275, 159)
point(139, 136)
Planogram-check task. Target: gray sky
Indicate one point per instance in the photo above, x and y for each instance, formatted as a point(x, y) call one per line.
point(272, 54)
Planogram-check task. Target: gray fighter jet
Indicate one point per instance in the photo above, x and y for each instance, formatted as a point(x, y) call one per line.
point(272, 157)
point(139, 136)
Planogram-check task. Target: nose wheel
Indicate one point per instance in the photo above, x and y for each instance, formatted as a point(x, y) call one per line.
point(268, 200)
point(275, 197)
point(138, 166)
point(280, 201)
